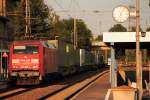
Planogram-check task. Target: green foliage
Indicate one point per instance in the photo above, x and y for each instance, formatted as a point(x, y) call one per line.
point(64, 30)
point(40, 24)
point(10, 7)
point(99, 38)
point(118, 28)
point(45, 23)
point(40, 11)
point(84, 35)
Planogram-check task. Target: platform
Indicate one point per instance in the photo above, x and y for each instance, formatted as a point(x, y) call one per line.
point(100, 90)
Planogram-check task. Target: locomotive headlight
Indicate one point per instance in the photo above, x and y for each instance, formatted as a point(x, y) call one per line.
point(15, 60)
point(34, 60)
point(35, 66)
point(15, 67)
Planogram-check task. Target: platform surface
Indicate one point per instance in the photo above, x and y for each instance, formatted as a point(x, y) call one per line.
point(97, 91)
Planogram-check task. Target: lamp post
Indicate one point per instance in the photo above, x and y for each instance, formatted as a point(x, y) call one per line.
point(138, 66)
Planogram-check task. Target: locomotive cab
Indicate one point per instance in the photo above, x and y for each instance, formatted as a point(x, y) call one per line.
point(24, 63)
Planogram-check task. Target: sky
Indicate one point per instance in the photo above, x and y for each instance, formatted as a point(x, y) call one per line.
point(101, 21)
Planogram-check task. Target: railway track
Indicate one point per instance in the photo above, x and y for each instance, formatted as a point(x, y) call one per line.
point(48, 91)
point(70, 92)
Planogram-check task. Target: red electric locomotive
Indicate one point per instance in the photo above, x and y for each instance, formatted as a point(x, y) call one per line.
point(30, 61)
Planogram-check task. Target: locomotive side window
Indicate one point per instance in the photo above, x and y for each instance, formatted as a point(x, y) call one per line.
point(26, 49)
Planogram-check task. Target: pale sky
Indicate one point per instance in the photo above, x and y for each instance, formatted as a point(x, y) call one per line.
point(98, 22)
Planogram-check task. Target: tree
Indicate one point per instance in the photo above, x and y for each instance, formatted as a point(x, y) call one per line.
point(84, 35)
point(40, 15)
point(99, 38)
point(64, 30)
point(45, 23)
point(10, 24)
point(118, 28)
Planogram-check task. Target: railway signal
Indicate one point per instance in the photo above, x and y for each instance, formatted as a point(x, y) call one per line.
point(5, 55)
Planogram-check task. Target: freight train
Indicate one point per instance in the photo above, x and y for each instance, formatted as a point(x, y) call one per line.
point(31, 62)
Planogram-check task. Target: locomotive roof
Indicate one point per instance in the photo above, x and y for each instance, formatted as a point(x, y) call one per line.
point(45, 43)
point(34, 42)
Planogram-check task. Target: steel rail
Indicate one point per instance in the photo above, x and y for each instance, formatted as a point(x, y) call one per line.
point(66, 92)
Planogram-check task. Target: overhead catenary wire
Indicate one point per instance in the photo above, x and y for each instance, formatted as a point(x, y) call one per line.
point(77, 3)
point(61, 7)
point(75, 28)
point(69, 6)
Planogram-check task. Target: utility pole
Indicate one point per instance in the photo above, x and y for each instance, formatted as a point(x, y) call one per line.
point(27, 19)
point(100, 24)
point(75, 34)
point(131, 18)
point(138, 67)
point(129, 24)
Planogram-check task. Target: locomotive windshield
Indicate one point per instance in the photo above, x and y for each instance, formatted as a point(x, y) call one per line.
point(25, 49)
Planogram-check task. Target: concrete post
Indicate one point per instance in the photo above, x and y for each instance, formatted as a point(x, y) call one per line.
point(113, 67)
point(138, 67)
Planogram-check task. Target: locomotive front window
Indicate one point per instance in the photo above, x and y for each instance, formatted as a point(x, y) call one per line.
point(26, 49)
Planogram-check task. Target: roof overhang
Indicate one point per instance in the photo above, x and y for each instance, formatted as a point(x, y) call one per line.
point(122, 37)
point(126, 39)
